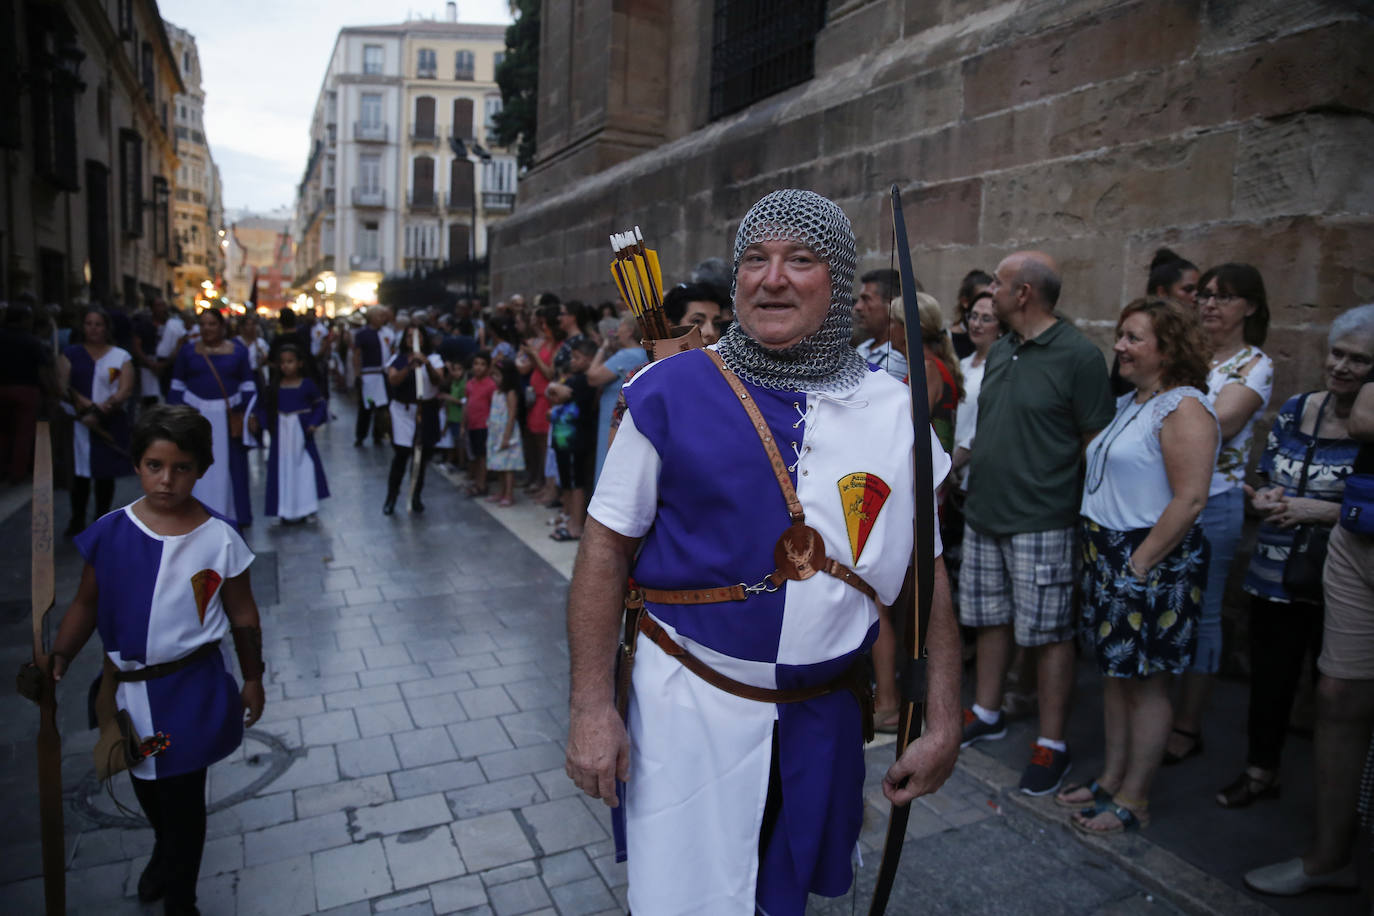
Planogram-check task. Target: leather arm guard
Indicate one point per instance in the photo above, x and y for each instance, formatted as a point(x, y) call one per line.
point(248, 647)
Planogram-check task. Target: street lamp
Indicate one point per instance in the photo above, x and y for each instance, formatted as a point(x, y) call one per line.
point(476, 154)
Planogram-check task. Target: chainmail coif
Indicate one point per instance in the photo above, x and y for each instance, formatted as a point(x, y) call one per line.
point(823, 360)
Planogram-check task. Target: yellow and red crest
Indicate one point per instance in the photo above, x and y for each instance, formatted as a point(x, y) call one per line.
point(112, 375)
point(204, 584)
point(862, 496)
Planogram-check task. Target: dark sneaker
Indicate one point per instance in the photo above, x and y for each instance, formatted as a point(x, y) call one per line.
point(975, 729)
point(1046, 770)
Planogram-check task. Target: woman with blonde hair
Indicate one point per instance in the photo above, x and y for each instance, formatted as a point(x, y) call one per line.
point(944, 381)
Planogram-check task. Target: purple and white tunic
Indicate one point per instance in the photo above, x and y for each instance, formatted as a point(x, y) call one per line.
point(98, 380)
point(688, 475)
point(224, 488)
point(295, 472)
point(160, 600)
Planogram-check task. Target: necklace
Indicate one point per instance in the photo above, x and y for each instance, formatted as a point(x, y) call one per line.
point(1097, 466)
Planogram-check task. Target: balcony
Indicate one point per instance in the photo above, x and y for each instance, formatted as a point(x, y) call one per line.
point(369, 197)
point(418, 135)
point(422, 200)
point(498, 201)
point(426, 72)
point(329, 197)
point(465, 74)
point(366, 262)
point(459, 200)
point(366, 132)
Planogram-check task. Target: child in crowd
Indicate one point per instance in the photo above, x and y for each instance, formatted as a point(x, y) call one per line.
point(480, 388)
point(165, 580)
point(573, 420)
point(453, 399)
point(505, 452)
point(290, 410)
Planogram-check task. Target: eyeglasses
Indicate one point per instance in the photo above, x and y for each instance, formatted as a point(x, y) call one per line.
point(1208, 297)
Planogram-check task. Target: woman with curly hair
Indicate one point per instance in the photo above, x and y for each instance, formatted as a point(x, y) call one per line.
point(1144, 555)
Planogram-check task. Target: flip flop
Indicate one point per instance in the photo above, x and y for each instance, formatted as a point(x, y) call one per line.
point(562, 534)
point(1127, 821)
point(1101, 797)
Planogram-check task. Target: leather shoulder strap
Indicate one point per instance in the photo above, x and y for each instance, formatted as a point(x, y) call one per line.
point(789, 492)
point(215, 372)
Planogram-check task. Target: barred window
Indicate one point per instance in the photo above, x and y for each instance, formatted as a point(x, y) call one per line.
point(759, 48)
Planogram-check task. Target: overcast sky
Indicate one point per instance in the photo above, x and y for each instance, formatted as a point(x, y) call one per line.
point(262, 62)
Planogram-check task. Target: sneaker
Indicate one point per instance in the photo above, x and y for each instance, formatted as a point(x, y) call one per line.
point(975, 729)
point(1046, 770)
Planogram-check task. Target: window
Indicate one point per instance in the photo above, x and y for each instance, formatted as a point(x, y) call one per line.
point(497, 60)
point(370, 172)
point(491, 105)
point(422, 182)
point(372, 59)
point(422, 241)
point(759, 48)
point(126, 18)
point(460, 183)
point(458, 235)
point(149, 75)
point(161, 209)
point(498, 174)
point(186, 63)
point(462, 119)
point(424, 118)
point(462, 65)
point(427, 64)
point(371, 109)
point(329, 172)
point(130, 182)
point(369, 242)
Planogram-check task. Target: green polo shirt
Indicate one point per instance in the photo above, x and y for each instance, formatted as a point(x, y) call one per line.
point(1039, 400)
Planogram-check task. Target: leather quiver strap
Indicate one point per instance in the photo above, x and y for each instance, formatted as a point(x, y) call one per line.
point(854, 678)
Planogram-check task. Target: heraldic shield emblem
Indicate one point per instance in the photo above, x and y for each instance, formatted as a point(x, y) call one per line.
point(862, 495)
point(204, 584)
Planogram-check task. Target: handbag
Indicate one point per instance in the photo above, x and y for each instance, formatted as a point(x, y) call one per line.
point(235, 417)
point(1302, 572)
point(1357, 505)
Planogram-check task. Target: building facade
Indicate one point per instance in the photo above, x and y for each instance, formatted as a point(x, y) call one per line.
point(1097, 131)
point(401, 175)
point(261, 255)
point(90, 163)
point(197, 209)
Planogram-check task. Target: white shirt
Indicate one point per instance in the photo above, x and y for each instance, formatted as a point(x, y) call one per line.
point(1126, 487)
point(966, 416)
point(1259, 378)
point(884, 357)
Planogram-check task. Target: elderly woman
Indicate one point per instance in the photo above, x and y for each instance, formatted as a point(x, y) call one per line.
point(95, 379)
point(1309, 455)
point(1345, 691)
point(1235, 316)
point(1144, 554)
point(215, 376)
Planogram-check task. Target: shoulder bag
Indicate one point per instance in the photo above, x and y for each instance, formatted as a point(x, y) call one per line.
point(1302, 572)
point(235, 417)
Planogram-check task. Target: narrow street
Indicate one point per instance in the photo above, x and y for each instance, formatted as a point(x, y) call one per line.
point(411, 756)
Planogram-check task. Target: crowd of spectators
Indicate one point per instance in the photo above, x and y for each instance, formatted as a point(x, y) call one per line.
point(1090, 510)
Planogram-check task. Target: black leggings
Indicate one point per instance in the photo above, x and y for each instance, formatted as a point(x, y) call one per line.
point(81, 495)
point(175, 806)
point(1280, 635)
point(399, 460)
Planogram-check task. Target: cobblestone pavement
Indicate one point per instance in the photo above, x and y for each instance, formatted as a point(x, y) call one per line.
point(410, 760)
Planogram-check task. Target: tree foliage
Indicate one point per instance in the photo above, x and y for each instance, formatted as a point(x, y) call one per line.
point(518, 77)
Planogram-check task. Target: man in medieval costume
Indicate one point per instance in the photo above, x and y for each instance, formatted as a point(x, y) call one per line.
point(759, 499)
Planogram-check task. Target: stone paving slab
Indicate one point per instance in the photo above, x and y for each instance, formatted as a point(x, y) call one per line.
point(413, 745)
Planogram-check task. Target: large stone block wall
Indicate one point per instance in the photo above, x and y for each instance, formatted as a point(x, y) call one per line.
point(1226, 129)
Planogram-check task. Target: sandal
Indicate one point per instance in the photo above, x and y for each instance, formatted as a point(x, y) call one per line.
point(505, 503)
point(563, 534)
point(1102, 799)
point(473, 491)
point(1194, 748)
point(1127, 821)
point(885, 721)
point(1247, 789)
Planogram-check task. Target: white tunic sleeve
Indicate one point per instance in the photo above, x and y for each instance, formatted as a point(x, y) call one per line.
point(626, 497)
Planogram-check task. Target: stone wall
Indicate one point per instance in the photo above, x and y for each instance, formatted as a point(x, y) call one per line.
point(1226, 129)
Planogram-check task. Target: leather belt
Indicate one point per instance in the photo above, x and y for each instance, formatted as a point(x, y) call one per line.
point(854, 678)
point(149, 672)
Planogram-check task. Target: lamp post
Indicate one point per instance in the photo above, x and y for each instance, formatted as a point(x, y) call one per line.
point(477, 154)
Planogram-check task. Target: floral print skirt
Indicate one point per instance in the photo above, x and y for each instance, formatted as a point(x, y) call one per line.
point(1141, 628)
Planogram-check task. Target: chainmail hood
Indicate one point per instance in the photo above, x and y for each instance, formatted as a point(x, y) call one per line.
point(824, 360)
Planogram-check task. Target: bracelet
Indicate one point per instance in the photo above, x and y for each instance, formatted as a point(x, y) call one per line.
point(1135, 573)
